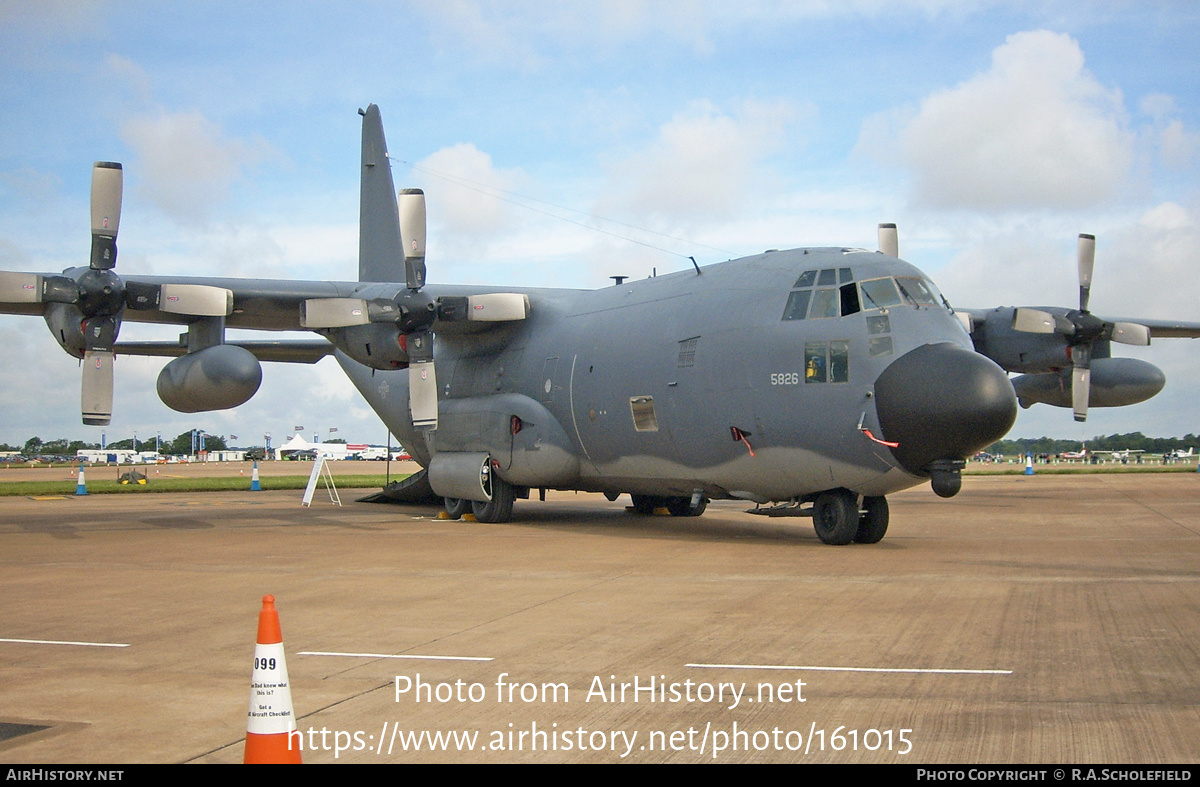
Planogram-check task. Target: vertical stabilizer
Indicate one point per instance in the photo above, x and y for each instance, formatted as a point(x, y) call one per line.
point(380, 252)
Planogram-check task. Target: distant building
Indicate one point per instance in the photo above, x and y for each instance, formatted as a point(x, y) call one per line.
point(298, 445)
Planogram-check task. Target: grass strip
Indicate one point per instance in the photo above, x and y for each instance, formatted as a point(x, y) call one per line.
point(98, 486)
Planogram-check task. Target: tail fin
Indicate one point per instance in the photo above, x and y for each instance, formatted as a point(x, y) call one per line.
point(380, 252)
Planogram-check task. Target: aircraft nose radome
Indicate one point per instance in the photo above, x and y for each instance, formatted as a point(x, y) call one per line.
point(941, 401)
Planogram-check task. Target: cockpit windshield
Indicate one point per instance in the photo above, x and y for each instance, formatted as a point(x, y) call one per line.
point(832, 292)
point(879, 294)
point(915, 290)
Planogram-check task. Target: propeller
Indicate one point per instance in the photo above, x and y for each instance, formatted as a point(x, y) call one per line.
point(418, 342)
point(100, 296)
point(413, 312)
point(1081, 329)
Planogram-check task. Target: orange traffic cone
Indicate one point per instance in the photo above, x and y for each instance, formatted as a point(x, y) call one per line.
point(270, 720)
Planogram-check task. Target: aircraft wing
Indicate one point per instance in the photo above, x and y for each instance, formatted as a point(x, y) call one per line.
point(1165, 329)
point(309, 351)
point(1159, 329)
point(258, 304)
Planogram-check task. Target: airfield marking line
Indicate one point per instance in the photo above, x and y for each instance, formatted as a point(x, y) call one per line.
point(857, 669)
point(393, 656)
point(61, 642)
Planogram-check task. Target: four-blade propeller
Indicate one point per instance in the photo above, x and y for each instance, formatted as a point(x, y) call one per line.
point(1081, 329)
point(414, 312)
point(100, 296)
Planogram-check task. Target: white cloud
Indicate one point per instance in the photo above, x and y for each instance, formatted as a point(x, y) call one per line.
point(466, 196)
point(186, 162)
point(529, 35)
point(1154, 266)
point(703, 164)
point(1177, 145)
point(1037, 130)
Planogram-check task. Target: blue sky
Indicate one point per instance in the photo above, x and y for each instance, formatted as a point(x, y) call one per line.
point(992, 133)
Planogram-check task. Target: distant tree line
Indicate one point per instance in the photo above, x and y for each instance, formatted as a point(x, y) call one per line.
point(1134, 441)
point(182, 444)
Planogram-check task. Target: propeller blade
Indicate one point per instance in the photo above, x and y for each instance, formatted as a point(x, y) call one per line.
point(1081, 386)
point(96, 396)
point(333, 312)
point(200, 300)
point(889, 240)
point(1131, 333)
point(36, 288)
point(344, 312)
point(422, 381)
point(1087, 261)
point(1033, 321)
point(422, 395)
point(1081, 379)
point(411, 204)
point(20, 287)
point(107, 185)
point(497, 307)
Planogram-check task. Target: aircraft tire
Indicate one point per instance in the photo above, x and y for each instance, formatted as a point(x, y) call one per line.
point(873, 522)
point(835, 517)
point(682, 506)
point(456, 507)
point(499, 509)
point(645, 504)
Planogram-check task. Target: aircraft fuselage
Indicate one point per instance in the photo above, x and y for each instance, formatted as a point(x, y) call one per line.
point(720, 382)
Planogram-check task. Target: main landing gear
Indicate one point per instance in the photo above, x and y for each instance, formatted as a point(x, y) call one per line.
point(498, 510)
point(839, 518)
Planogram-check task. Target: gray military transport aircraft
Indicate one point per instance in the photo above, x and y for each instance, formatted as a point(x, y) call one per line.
point(823, 376)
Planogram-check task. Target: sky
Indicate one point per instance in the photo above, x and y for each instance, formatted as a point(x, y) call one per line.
point(562, 143)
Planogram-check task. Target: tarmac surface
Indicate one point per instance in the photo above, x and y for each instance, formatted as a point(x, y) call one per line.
point(1043, 619)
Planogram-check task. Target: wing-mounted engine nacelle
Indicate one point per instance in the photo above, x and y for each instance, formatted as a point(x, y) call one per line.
point(1017, 350)
point(1115, 382)
point(377, 345)
point(215, 378)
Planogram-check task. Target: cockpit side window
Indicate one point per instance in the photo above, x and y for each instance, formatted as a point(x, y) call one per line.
point(849, 299)
point(797, 305)
point(824, 304)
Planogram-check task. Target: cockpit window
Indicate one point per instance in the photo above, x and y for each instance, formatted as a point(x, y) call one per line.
point(915, 290)
point(797, 305)
point(879, 294)
point(824, 304)
point(804, 302)
point(849, 299)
